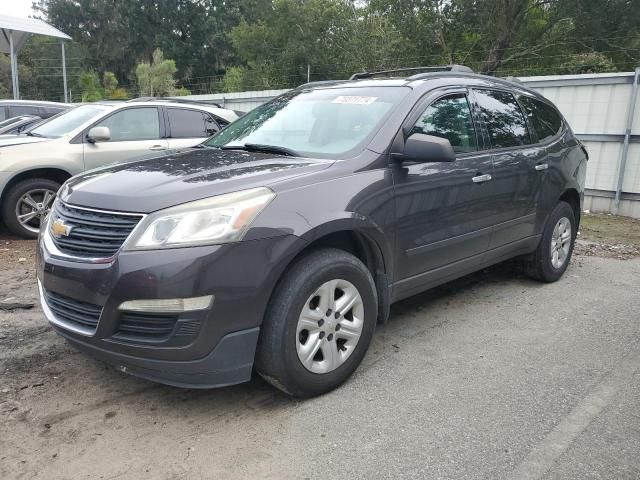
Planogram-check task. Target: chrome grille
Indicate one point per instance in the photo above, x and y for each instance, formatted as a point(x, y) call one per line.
point(91, 233)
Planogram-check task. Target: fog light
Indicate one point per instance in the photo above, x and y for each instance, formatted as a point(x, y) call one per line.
point(171, 305)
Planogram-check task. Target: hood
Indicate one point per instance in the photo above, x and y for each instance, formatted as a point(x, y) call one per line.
point(153, 184)
point(8, 140)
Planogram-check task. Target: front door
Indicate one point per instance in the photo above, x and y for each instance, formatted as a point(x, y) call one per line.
point(443, 209)
point(135, 134)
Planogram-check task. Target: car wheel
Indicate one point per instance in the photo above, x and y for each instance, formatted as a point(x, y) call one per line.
point(26, 204)
point(319, 324)
point(552, 257)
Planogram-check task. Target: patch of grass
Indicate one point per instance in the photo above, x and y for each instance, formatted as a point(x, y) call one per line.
point(613, 229)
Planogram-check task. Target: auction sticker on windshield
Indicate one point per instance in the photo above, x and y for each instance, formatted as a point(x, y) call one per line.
point(354, 99)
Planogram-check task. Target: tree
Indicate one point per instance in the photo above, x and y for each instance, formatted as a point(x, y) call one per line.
point(156, 78)
point(110, 86)
point(89, 84)
point(588, 63)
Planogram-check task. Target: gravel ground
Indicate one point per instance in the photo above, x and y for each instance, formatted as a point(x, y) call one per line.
point(492, 376)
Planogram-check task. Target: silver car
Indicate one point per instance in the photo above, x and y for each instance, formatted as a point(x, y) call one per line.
point(34, 165)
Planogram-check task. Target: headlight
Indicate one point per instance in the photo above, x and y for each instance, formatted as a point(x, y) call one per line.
point(214, 220)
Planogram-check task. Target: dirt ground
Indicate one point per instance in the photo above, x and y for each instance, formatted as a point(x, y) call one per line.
point(610, 236)
point(487, 377)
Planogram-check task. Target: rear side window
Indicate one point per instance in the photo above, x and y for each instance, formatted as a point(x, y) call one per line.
point(502, 118)
point(544, 119)
point(16, 110)
point(3, 114)
point(450, 118)
point(191, 123)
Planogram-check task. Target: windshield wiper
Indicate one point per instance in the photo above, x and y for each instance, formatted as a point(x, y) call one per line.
point(258, 147)
point(31, 134)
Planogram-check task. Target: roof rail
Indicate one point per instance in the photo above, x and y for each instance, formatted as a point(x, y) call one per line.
point(175, 100)
point(319, 83)
point(442, 68)
point(513, 79)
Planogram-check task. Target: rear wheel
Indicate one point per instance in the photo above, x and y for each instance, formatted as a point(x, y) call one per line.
point(319, 324)
point(26, 204)
point(552, 257)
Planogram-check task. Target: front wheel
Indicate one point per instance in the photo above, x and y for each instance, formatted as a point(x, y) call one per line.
point(319, 324)
point(26, 204)
point(552, 257)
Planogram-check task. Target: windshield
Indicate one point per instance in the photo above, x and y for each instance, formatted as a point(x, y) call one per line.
point(66, 122)
point(330, 122)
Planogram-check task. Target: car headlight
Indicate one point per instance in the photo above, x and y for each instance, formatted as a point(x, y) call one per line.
point(215, 220)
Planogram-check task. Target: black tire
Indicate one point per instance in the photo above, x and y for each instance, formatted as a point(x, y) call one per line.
point(11, 199)
point(277, 358)
point(538, 265)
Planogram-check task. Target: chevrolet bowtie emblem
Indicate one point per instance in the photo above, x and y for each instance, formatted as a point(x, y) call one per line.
point(59, 229)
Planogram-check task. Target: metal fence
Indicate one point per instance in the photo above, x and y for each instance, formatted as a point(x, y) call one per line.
point(601, 108)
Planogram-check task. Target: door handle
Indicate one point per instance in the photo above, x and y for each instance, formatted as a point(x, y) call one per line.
point(157, 147)
point(542, 166)
point(481, 178)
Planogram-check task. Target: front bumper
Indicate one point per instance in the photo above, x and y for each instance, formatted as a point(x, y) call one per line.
point(203, 349)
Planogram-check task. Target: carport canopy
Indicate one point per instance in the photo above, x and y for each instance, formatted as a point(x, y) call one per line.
point(14, 33)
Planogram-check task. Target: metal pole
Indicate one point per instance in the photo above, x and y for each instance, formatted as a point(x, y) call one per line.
point(627, 138)
point(64, 72)
point(308, 73)
point(14, 68)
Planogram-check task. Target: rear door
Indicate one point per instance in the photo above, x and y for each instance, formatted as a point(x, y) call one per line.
point(517, 183)
point(443, 208)
point(136, 133)
point(188, 127)
point(548, 126)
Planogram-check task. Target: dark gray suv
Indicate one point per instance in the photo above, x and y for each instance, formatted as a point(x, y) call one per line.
point(280, 242)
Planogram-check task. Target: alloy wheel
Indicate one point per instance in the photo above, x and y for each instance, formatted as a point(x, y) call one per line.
point(33, 207)
point(560, 242)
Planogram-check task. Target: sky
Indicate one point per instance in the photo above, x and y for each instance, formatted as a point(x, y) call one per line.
point(17, 8)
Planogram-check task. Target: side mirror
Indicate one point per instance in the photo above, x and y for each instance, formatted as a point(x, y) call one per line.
point(427, 148)
point(99, 134)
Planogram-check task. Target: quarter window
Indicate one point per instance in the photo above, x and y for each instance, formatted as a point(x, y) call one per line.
point(450, 118)
point(502, 118)
point(544, 119)
point(46, 112)
point(133, 124)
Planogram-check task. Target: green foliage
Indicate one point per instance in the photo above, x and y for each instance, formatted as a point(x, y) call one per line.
point(181, 92)
point(156, 78)
point(588, 63)
point(233, 80)
point(89, 84)
point(109, 83)
point(118, 94)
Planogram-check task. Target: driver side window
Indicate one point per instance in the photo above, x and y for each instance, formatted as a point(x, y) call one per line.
point(450, 118)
